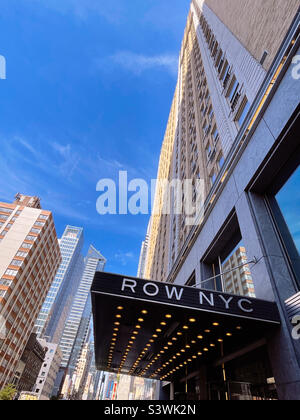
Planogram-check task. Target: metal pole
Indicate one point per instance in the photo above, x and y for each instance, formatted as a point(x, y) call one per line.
point(225, 272)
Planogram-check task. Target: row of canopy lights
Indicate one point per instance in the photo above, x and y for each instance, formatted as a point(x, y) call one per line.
point(132, 338)
point(150, 343)
point(116, 326)
point(155, 335)
point(183, 363)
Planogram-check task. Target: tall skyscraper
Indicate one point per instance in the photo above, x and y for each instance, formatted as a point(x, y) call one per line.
point(233, 126)
point(57, 305)
point(83, 334)
point(227, 49)
point(29, 259)
point(94, 261)
point(76, 329)
point(143, 254)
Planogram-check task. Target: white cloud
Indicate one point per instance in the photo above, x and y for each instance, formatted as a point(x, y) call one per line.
point(70, 159)
point(123, 257)
point(137, 63)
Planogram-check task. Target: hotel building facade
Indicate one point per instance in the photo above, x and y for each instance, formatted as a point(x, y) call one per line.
point(233, 114)
point(216, 319)
point(29, 259)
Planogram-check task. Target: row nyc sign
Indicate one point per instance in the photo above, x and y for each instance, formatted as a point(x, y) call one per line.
point(188, 297)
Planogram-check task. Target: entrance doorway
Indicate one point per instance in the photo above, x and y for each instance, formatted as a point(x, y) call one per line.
point(248, 377)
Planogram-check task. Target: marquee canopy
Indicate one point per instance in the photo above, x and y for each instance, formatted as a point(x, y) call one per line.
point(160, 330)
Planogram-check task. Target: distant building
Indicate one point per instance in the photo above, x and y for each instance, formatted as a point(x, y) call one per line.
point(238, 281)
point(94, 261)
point(143, 254)
point(49, 369)
point(55, 310)
point(82, 371)
point(33, 358)
point(77, 325)
point(29, 259)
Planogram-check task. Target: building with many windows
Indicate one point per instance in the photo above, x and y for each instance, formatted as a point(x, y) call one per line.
point(55, 310)
point(218, 80)
point(94, 261)
point(29, 259)
point(236, 275)
point(233, 129)
point(33, 358)
point(77, 324)
point(235, 80)
point(46, 377)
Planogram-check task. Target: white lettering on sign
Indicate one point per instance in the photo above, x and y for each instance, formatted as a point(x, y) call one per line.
point(153, 289)
point(226, 301)
point(240, 304)
point(129, 283)
point(146, 287)
point(174, 290)
point(210, 301)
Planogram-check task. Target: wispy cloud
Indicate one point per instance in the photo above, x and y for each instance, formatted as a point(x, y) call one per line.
point(123, 257)
point(138, 63)
point(70, 159)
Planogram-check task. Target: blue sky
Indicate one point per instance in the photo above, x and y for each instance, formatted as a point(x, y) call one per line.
point(88, 91)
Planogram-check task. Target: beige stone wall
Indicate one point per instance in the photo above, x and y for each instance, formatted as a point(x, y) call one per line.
point(260, 25)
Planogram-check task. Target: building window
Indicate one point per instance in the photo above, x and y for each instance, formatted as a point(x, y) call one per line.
point(242, 113)
point(212, 178)
point(5, 210)
point(5, 282)
point(221, 161)
point(215, 134)
point(11, 272)
point(225, 266)
point(30, 238)
point(208, 151)
point(287, 219)
point(21, 254)
point(263, 58)
point(33, 230)
point(192, 280)
point(25, 245)
point(225, 76)
point(17, 263)
point(233, 89)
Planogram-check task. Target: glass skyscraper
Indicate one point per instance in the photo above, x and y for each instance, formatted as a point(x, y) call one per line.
point(93, 262)
point(57, 304)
